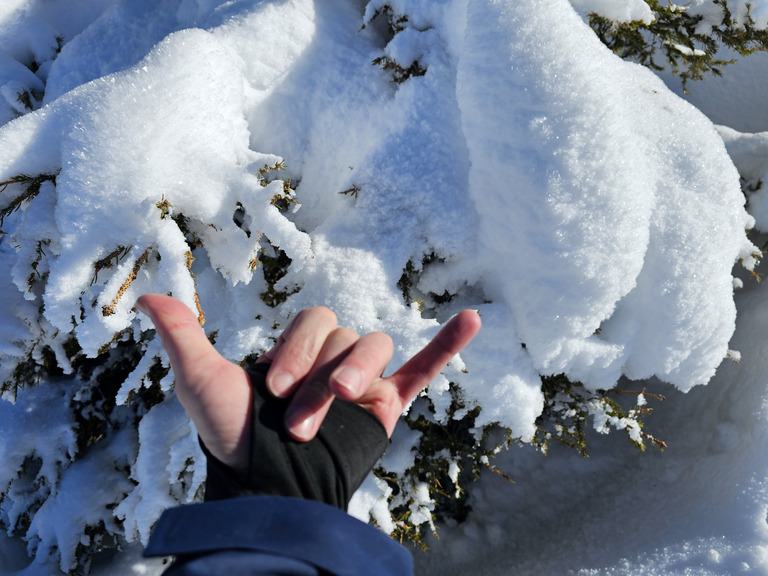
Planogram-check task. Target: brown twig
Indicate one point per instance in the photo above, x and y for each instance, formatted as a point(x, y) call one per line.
point(200, 312)
point(636, 393)
point(106, 262)
point(109, 309)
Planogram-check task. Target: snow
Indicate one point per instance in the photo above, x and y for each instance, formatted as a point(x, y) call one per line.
point(618, 10)
point(591, 215)
point(572, 194)
point(750, 156)
point(699, 507)
point(733, 99)
point(155, 469)
point(742, 11)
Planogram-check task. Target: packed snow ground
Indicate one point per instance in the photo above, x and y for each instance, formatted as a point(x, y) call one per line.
point(598, 212)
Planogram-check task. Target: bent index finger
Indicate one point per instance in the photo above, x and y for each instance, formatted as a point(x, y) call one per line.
point(420, 370)
point(298, 349)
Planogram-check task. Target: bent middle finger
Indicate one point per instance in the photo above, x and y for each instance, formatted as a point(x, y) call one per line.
point(313, 397)
point(364, 364)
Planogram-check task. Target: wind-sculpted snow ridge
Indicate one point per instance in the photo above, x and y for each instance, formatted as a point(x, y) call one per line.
point(610, 200)
point(495, 156)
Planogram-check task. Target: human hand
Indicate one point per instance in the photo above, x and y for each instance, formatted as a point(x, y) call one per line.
point(312, 362)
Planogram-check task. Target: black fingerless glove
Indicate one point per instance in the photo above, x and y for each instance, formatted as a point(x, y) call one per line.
point(328, 468)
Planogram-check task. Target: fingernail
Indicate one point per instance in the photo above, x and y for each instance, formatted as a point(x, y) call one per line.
point(141, 307)
point(349, 378)
point(301, 426)
point(280, 383)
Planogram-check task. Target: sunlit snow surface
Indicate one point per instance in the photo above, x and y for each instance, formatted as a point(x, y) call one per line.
point(585, 210)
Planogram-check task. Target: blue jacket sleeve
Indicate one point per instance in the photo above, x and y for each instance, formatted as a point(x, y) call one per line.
point(273, 535)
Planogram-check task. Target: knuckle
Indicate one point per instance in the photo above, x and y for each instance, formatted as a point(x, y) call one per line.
point(296, 358)
point(384, 402)
point(323, 313)
point(181, 324)
point(386, 340)
point(345, 334)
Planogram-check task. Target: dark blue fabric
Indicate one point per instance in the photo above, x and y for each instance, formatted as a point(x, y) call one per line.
point(252, 528)
point(243, 563)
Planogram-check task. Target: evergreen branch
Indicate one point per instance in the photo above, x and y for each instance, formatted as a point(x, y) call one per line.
point(164, 206)
point(689, 52)
point(109, 309)
point(200, 312)
point(636, 393)
point(39, 253)
point(106, 262)
point(399, 73)
point(274, 168)
point(32, 188)
point(353, 191)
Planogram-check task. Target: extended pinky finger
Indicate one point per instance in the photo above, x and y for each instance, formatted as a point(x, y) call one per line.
point(420, 370)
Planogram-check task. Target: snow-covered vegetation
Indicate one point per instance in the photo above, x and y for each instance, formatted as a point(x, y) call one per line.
point(396, 161)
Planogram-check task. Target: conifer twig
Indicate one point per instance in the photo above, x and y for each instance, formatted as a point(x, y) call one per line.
point(636, 393)
point(33, 184)
point(200, 312)
point(109, 309)
point(106, 262)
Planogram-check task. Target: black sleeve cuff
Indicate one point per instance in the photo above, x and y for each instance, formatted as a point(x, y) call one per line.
point(327, 469)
